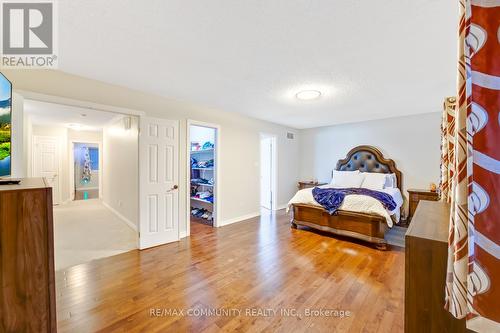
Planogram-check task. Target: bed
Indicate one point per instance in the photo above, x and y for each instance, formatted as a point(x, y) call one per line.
point(370, 227)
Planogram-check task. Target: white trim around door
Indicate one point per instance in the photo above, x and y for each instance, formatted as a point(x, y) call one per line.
point(77, 103)
point(270, 175)
point(217, 166)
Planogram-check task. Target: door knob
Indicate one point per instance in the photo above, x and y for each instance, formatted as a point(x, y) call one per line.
point(175, 187)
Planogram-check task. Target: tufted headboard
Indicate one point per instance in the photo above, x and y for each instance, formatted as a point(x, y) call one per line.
point(369, 159)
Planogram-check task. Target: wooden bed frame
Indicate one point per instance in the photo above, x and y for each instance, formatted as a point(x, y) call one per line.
point(367, 227)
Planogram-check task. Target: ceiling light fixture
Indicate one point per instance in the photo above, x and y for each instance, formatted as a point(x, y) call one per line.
point(308, 95)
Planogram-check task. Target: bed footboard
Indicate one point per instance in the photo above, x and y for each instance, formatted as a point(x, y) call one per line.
point(367, 227)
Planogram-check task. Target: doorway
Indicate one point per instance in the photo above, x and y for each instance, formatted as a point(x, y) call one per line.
point(86, 171)
point(268, 171)
point(98, 210)
point(203, 148)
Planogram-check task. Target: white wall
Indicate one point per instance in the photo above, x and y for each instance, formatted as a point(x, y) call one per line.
point(121, 169)
point(28, 137)
point(413, 142)
point(84, 136)
point(239, 146)
point(18, 139)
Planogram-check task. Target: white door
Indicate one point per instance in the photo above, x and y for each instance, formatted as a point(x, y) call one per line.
point(159, 179)
point(46, 162)
point(266, 151)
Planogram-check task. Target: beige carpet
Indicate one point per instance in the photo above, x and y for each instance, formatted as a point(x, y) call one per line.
point(87, 230)
point(92, 194)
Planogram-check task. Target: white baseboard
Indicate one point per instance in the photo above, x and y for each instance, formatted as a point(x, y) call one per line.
point(238, 219)
point(280, 207)
point(123, 218)
point(65, 202)
point(182, 234)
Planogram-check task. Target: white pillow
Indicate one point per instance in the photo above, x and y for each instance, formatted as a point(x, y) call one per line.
point(391, 180)
point(346, 179)
point(374, 181)
point(340, 174)
point(343, 173)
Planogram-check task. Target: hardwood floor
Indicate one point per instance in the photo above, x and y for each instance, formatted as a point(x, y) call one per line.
point(249, 266)
point(198, 220)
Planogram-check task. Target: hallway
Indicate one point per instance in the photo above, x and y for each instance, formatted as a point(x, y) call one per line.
point(86, 230)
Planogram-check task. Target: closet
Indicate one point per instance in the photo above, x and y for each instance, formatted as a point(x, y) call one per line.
point(203, 174)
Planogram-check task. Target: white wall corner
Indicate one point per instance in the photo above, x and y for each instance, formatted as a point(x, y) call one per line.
point(67, 201)
point(280, 207)
point(120, 216)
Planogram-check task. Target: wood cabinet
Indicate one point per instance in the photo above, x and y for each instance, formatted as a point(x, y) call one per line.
point(27, 294)
point(426, 255)
point(307, 184)
point(415, 196)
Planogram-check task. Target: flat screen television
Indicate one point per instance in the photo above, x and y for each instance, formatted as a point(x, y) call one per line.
point(5, 125)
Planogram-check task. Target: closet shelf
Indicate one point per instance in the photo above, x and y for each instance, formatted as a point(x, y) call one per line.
point(201, 200)
point(202, 184)
point(211, 150)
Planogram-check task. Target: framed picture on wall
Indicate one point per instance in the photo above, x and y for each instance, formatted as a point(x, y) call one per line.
point(5, 126)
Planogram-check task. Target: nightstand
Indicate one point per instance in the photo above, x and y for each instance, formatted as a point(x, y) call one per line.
point(416, 195)
point(307, 184)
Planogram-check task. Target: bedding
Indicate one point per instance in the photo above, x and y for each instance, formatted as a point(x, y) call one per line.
point(398, 198)
point(332, 198)
point(356, 203)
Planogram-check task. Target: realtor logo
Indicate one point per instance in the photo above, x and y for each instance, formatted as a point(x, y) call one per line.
point(28, 34)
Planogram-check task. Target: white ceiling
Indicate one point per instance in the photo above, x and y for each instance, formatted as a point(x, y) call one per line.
point(371, 59)
point(42, 113)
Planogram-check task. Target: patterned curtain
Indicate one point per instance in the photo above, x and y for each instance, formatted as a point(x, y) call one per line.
point(473, 279)
point(447, 148)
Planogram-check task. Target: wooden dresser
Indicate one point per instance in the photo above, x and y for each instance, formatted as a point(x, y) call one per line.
point(415, 196)
point(27, 294)
point(308, 184)
point(426, 254)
